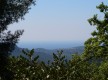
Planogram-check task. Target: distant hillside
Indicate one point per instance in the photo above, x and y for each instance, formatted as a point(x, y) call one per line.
point(47, 54)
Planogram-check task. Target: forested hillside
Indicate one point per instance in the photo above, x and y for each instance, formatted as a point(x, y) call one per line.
point(47, 54)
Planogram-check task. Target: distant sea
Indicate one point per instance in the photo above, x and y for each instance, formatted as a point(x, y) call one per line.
point(49, 45)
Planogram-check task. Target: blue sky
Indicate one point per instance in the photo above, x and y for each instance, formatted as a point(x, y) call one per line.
point(58, 21)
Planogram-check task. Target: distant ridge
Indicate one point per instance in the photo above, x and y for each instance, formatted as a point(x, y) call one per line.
point(47, 54)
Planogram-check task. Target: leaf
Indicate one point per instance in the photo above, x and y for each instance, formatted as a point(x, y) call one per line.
point(31, 52)
point(36, 58)
point(55, 57)
point(24, 52)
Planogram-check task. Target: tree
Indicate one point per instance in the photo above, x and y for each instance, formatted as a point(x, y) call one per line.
point(77, 68)
point(59, 69)
point(10, 11)
point(96, 47)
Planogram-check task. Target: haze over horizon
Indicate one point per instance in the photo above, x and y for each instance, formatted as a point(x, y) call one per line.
point(58, 21)
point(50, 45)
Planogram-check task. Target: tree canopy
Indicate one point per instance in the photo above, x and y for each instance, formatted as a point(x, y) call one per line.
point(27, 66)
point(97, 46)
point(10, 11)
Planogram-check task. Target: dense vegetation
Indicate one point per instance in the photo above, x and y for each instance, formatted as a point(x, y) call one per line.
point(10, 11)
point(91, 65)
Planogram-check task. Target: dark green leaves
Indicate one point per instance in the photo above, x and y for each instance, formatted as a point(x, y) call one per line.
point(102, 7)
point(96, 46)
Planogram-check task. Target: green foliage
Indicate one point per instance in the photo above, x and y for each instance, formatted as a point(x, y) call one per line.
point(26, 67)
point(91, 65)
point(97, 46)
point(10, 11)
point(103, 70)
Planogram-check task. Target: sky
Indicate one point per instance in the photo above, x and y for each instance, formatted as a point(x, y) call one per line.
point(58, 21)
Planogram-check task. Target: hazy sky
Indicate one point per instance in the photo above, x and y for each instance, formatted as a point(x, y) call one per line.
point(58, 20)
